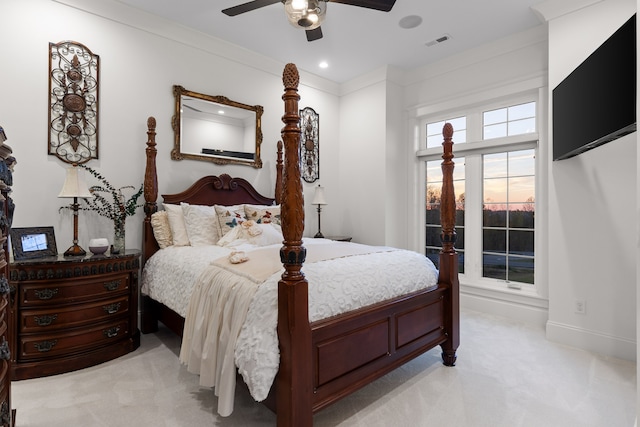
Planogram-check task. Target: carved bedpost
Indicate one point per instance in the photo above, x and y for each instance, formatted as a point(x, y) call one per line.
point(448, 256)
point(294, 332)
point(149, 322)
point(279, 176)
point(150, 188)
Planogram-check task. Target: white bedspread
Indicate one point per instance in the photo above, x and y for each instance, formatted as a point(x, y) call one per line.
point(243, 333)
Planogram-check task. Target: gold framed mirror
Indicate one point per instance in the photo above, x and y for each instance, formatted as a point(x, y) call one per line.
point(215, 129)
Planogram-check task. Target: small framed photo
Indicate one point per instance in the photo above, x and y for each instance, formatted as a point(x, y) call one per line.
point(33, 242)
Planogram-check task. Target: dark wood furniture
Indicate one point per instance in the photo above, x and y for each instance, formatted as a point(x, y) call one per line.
point(324, 361)
point(73, 312)
point(7, 415)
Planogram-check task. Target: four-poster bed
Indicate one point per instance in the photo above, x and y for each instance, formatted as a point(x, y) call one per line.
point(324, 360)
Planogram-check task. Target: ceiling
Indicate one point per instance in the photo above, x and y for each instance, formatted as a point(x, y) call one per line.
point(356, 40)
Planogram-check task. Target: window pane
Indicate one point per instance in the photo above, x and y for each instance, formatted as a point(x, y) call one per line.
point(522, 218)
point(523, 126)
point(495, 165)
point(433, 214)
point(495, 193)
point(521, 242)
point(459, 238)
point(494, 240)
point(494, 217)
point(521, 269)
point(494, 266)
point(522, 163)
point(433, 235)
point(513, 120)
point(494, 116)
point(521, 189)
point(522, 111)
point(434, 256)
point(495, 131)
point(434, 172)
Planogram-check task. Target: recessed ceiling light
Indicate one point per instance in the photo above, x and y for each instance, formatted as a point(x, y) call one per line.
point(410, 21)
point(323, 64)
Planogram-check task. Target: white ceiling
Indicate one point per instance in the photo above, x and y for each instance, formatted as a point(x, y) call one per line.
point(356, 40)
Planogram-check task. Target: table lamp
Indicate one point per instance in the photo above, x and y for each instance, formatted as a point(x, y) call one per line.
point(318, 199)
point(74, 187)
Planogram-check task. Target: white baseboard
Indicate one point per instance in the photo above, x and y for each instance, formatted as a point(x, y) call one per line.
point(509, 309)
point(596, 342)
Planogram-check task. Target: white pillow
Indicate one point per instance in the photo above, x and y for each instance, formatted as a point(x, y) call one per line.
point(201, 224)
point(161, 229)
point(176, 222)
point(271, 235)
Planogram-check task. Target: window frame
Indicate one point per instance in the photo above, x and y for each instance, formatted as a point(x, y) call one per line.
point(472, 151)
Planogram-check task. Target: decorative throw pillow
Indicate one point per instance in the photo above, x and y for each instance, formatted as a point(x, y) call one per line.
point(161, 229)
point(201, 224)
point(229, 217)
point(176, 222)
point(263, 214)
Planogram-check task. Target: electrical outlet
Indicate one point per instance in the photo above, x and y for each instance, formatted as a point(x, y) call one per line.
point(581, 306)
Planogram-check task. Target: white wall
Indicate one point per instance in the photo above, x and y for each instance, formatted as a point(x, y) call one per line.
point(592, 210)
point(141, 59)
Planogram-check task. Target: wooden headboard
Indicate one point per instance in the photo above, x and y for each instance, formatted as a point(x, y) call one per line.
point(209, 190)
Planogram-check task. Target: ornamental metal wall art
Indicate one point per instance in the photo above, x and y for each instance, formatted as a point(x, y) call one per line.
point(310, 146)
point(73, 110)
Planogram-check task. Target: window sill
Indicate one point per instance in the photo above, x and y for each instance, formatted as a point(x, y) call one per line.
point(500, 292)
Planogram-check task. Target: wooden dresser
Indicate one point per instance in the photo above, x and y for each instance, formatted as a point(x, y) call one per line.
point(7, 161)
point(72, 312)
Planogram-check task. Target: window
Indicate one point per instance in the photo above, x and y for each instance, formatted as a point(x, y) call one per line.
point(508, 216)
point(494, 182)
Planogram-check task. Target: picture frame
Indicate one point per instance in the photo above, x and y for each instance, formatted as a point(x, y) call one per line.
point(33, 242)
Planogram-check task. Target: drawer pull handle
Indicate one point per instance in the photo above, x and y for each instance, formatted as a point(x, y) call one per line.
point(45, 294)
point(111, 308)
point(45, 346)
point(45, 320)
point(5, 353)
point(112, 286)
point(111, 332)
point(4, 286)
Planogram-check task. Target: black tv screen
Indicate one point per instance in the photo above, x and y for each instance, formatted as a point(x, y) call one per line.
point(596, 103)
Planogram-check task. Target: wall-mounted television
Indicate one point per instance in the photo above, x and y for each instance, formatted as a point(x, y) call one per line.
point(596, 103)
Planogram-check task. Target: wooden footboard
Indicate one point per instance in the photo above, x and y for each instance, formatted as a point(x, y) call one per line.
point(352, 350)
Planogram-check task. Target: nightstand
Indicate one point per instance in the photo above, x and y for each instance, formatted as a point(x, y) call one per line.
point(70, 313)
point(339, 238)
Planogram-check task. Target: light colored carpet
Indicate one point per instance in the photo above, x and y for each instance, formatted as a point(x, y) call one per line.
point(507, 374)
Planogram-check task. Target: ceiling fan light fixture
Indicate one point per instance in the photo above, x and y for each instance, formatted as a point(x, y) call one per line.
point(305, 14)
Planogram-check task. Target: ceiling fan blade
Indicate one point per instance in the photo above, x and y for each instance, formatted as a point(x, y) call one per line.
point(383, 5)
point(248, 7)
point(315, 34)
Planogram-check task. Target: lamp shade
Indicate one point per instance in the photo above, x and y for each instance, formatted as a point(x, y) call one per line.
point(318, 196)
point(305, 14)
point(74, 184)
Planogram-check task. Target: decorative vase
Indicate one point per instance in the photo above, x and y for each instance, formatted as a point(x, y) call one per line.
point(118, 237)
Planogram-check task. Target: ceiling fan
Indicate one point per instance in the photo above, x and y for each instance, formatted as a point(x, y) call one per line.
point(308, 14)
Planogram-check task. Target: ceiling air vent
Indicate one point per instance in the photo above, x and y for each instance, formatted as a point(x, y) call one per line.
point(439, 40)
